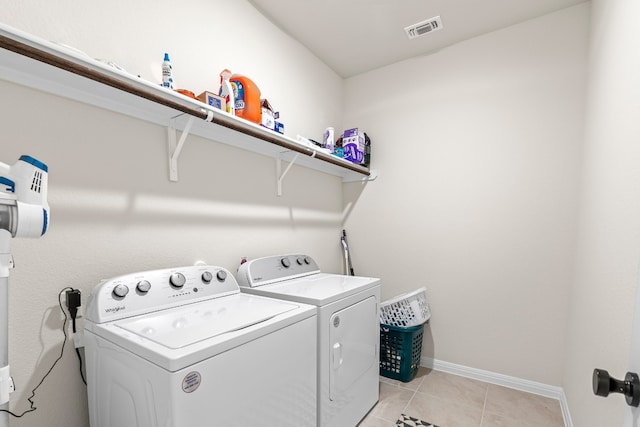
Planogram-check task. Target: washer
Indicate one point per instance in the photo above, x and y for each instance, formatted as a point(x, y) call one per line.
point(183, 347)
point(348, 329)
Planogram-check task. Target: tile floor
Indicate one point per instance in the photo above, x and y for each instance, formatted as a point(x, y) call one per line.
point(453, 401)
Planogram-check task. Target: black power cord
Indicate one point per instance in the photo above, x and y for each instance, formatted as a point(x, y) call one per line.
point(32, 406)
point(80, 360)
point(73, 302)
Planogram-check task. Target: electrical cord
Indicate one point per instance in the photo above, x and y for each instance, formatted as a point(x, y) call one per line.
point(80, 360)
point(32, 406)
point(73, 302)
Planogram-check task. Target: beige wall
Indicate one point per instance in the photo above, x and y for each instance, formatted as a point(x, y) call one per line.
point(608, 247)
point(113, 208)
point(478, 149)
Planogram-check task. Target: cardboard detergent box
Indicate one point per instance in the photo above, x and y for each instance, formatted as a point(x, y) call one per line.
point(213, 100)
point(353, 145)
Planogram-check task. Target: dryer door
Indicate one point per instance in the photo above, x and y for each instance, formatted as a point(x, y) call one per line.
point(354, 338)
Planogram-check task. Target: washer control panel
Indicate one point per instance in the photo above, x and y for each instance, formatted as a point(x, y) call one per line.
point(148, 291)
point(263, 271)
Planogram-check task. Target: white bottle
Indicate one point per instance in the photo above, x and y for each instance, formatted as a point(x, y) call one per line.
point(328, 141)
point(167, 73)
point(226, 91)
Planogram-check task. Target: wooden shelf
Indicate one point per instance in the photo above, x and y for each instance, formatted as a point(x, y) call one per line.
point(38, 64)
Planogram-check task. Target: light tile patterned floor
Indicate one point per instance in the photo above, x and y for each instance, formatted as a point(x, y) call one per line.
point(454, 401)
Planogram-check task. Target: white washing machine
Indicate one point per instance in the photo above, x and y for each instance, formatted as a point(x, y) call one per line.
point(348, 329)
point(183, 347)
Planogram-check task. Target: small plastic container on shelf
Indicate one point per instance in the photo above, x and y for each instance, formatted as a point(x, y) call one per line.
point(400, 351)
point(409, 309)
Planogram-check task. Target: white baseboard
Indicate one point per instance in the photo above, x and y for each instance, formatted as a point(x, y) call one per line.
point(545, 390)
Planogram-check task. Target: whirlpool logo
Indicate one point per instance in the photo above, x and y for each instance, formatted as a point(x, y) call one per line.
point(114, 309)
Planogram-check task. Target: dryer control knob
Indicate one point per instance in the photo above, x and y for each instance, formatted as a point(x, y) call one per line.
point(207, 276)
point(285, 262)
point(300, 260)
point(143, 286)
point(121, 291)
point(307, 260)
point(177, 279)
point(221, 275)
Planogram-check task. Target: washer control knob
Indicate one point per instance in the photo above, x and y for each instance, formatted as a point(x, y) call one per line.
point(300, 260)
point(207, 276)
point(121, 291)
point(307, 260)
point(177, 279)
point(221, 275)
point(143, 286)
point(285, 262)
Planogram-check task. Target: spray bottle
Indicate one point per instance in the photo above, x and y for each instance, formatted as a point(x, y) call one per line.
point(167, 73)
point(226, 91)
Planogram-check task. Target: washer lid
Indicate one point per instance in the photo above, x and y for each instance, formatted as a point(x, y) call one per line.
point(181, 336)
point(317, 289)
point(183, 326)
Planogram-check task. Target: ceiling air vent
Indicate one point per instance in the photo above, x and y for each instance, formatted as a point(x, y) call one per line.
point(424, 27)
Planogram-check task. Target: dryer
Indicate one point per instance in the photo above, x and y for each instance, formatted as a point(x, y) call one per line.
point(348, 329)
point(183, 347)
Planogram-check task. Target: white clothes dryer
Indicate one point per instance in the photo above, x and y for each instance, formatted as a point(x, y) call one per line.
point(348, 329)
point(183, 347)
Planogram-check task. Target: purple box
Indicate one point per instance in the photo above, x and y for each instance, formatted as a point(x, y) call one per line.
point(353, 145)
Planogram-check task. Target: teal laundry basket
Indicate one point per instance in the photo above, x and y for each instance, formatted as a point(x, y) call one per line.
point(400, 351)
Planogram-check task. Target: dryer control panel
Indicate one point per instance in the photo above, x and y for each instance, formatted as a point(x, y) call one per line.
point(272, 269)
point(148, 291)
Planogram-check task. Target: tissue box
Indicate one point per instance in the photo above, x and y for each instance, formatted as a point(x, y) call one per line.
point(268, 115)
point(213, 100)
point(353, 145)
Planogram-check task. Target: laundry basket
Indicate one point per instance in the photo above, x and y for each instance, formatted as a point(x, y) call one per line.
point(406, 310)
point(400, 351)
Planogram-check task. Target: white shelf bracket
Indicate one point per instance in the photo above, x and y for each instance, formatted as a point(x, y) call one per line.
point(373, 175)
point(280, 174)
point(175, 146)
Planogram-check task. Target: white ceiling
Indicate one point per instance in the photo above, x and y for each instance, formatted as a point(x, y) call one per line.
point(355, 36)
